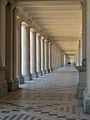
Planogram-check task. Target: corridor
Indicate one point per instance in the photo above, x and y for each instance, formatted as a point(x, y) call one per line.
point(50, 97)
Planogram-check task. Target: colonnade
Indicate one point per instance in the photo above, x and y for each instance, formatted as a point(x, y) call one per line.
point(38, 56)
point(25, 53)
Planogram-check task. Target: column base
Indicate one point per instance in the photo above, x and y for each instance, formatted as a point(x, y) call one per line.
point(39, 74)
point(86, 102)
point(50, 70)
point(46, 71)
point(42, 73)
point(3, 90)
point(80, 90)
point(34, 75)
point(27, 78)
point(21, 80)
point(82, 83)
point(13, 85)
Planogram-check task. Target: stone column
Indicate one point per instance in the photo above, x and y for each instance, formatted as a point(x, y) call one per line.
point(13, 83)
point(42, 56)
point(3, 84)
point(49, 57)
point(86, 97)
point(56, 59)
point(52, 52)
point(25, 51)
point(46, 55)
point(17, 48)
point(78, 54)
point(62, 58)
point(33, 53)
point(55, 63)
point(38, 54)
point(83, 32)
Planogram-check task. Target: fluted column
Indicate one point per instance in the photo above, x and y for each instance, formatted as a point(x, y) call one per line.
point(38, 54)
point(25, 43)
point(86, 100)
point(46, 55)
point(49, 57)
point(33, 53)
point(42, 56)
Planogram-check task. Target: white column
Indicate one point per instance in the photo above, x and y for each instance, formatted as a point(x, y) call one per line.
point(52, 52)
point(86, 100)
point(64, 60)
point(55, 58)
point(17, 51)
point(25, 52)
point(33, 53)
point(42, 56)
point(38, 54)
point(49, 56)
point(46, 55)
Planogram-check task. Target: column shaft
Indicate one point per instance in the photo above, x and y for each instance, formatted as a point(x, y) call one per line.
point(46, 55)
point(38, 54)
point(25, 51)
point(42, 56)
point(33, 53)
point(49, 56)
point(17, 49)
point(86, 100)
point(84, 33)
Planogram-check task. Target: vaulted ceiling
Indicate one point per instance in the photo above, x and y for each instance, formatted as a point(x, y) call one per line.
point(60, 19)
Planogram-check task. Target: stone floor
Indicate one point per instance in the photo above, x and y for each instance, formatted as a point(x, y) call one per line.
point(51, 97)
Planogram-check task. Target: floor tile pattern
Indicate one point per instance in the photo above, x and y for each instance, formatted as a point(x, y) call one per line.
point(51, 97)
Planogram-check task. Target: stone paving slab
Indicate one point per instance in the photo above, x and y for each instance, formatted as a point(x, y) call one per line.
point(52, 97)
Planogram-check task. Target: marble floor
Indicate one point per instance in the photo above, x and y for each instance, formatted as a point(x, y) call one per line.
point(51, 97)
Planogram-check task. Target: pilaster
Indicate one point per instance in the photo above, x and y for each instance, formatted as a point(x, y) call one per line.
point(13, 83)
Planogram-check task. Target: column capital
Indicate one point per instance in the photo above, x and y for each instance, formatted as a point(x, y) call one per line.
point(38, 34)
point(42, 38)
point(32, 30)
point(25, 24)
point(45, 40)
point(49, 43)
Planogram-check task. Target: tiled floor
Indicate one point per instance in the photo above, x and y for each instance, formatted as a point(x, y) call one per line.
point(52, 97)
